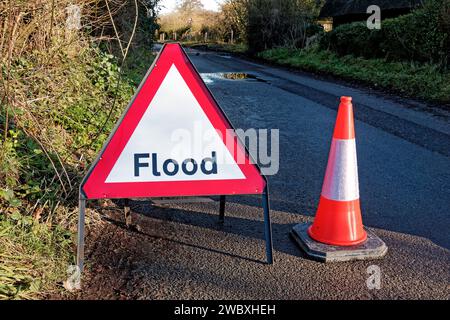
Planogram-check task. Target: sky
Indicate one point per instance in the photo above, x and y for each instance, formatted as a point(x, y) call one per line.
point(169, 5)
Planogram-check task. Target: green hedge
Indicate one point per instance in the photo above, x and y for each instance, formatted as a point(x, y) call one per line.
point(422, 35)
point(416, 80)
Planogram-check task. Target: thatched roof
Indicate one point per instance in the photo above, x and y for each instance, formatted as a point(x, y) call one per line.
point(335, 8)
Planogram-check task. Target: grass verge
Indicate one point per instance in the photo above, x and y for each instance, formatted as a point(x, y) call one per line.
point(237, 48)
point(33, 257)
point(414, 80)
point(58, 121)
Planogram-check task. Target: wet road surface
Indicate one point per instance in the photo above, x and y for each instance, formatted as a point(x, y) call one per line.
point(180, 251)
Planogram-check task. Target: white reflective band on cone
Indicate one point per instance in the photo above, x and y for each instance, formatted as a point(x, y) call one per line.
point(341, 177)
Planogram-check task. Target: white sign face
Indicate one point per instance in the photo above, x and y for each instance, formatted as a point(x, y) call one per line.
point(158, 149)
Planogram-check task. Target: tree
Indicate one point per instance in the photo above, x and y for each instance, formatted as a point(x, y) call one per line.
point(234, 16)
point(189, 7)
point(279, 23)
point(190, 20)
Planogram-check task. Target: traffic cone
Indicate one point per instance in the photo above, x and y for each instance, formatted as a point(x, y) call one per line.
point(338, 219)
point(337, 233)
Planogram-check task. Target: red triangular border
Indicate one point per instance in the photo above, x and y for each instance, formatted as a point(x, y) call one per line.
point(94, 186)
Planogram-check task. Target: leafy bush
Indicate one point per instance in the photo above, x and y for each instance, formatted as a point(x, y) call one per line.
point(422, 35)
point(48, 136)
point(60, 95)
point(354, 38)
point(48, 148)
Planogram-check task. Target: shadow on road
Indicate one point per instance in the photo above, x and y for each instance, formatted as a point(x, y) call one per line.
point(186, 218)
point(182, 243)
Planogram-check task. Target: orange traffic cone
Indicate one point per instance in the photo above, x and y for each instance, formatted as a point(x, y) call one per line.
point(337, 233)
point(338, 219)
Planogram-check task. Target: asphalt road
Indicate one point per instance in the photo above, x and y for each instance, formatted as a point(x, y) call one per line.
point(404, 173)
point(403, 154)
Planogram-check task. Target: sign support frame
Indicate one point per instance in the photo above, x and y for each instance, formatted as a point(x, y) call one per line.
point(80, 234)
point(222, 201)
point(222, 209)
point(267, 225)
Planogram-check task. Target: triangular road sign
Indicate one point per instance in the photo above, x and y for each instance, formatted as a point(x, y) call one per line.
point(173, 140)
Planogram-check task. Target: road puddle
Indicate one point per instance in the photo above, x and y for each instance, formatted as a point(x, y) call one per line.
point(234, 76)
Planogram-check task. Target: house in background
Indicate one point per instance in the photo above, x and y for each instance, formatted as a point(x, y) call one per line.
point(337, 12)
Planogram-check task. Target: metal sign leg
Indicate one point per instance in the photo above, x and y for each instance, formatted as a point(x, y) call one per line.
point(80, 247)
point(127, 211)
point(267, 226)
point(222, 209)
